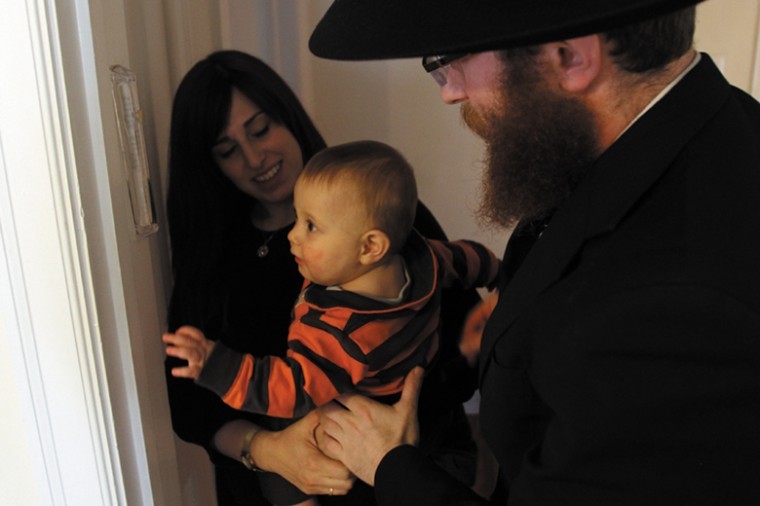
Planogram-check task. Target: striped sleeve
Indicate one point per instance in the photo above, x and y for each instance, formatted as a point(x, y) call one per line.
point(286, 387)
point(467, 263)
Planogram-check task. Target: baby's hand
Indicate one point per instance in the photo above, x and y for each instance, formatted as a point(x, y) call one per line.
point(188, 343)
point(472, 333)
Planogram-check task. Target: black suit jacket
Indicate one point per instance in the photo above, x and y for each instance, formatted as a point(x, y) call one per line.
point(622, 363)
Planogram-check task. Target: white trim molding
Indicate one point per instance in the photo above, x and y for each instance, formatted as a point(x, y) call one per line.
point(81, 298)
point(47, 297)
point(756, 72)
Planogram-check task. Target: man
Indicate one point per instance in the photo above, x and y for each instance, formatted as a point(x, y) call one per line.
point(622, 362)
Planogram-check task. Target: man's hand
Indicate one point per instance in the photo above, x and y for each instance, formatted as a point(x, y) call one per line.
point(293, 454)
point(360, 432)
point(188, 343)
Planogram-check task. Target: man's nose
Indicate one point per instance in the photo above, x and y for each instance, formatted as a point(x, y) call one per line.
point(452, 91)
point(452, 96)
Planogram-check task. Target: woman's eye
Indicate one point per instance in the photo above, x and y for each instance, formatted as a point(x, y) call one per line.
point(260, 126)
point(225, 152)
point(262, 132)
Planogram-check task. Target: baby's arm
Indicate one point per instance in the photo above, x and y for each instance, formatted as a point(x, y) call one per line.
point(188, 343)
point(468, 263)
point(472, 334)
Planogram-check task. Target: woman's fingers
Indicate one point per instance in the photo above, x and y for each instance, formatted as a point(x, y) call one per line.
point(293, 454)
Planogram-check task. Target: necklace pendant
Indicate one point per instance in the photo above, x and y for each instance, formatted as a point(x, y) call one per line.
point(263, 250)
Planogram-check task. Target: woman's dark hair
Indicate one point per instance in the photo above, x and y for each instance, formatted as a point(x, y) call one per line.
point(206, 212)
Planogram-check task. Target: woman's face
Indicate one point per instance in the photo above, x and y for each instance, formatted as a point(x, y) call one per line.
point(260, 156)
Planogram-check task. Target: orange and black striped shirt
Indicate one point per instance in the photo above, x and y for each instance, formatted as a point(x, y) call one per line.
point(340, 341)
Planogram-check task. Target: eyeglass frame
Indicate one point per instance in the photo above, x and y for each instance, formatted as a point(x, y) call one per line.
point(438, 66)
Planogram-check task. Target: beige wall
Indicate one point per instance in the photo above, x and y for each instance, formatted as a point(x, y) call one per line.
point(728, 30)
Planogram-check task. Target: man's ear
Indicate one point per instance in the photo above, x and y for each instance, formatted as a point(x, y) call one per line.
point(577, 62)
point(374, 247)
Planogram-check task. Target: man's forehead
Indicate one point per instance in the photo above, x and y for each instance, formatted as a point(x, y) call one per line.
point(373, 30)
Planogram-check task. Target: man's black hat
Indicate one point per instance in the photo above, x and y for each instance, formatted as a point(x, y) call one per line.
point(381, 29)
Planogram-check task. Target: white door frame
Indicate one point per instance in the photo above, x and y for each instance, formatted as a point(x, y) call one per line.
point(47, 294)
point(68, 317)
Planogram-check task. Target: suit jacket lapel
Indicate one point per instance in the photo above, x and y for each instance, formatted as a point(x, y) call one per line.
point(541, 267)
point(616, 182)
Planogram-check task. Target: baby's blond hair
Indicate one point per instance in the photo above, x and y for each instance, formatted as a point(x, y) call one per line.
point(381, 176)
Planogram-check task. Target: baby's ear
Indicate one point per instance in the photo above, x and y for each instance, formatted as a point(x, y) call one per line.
point(375, 246)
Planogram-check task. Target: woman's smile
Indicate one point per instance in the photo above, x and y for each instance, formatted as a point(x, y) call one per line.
point(272, 172)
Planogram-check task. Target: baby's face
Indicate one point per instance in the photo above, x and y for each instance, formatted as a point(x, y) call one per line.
point(326, 239)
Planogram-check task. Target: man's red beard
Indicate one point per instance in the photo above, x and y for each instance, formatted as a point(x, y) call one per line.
point(474, 120)
point(539, 146)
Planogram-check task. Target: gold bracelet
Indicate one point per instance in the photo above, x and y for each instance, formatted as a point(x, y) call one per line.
point(245, 454)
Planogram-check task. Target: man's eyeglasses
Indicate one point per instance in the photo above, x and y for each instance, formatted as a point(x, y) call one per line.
point(439, 66)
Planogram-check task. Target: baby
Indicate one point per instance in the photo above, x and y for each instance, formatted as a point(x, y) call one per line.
point(369, 309)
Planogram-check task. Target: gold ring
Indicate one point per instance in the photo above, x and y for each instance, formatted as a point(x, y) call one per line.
point(331, 491)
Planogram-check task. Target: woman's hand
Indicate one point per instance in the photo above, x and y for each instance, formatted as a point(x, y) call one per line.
point(293, 454)
point(360, 432)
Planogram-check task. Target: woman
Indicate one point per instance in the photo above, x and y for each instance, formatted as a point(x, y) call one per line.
point(239, 139)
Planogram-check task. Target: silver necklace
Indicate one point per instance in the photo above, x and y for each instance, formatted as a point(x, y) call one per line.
point(263, 250)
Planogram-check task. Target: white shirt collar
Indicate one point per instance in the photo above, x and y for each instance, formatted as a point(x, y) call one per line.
point(394, 301)
point(664, 92)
